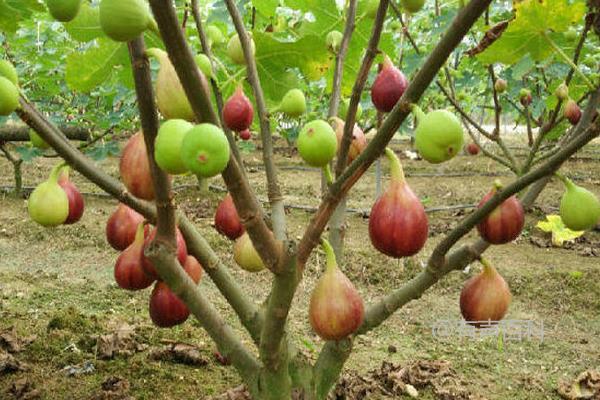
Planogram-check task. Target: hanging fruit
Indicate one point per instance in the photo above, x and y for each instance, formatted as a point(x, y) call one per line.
point(76, 203)
point(473, 149)
point(215, 36)
point(227, 220)
point(124, 20)
point(525, 97)
point(9, 97)
point(317, 145)
point(182, 254)
point(293, 104)
point(129, 272)
point(505, 223)
point(343, 113)
point(205, 65)
point(412, 6)
point(336, 309)
point(122, 226)
point(205, 150)
point(166, 309)
point(193, 268)
point(500, 85)
point(388, 87)
point(245, 134)
point(439, 135)
point(579, 208)
point(135, 168)
point(48, 204)
point(485, 297)
point(398, 224)
point(63, 10)
point(238, 111)
point(334, 41)
point(37, 141)
point(167, 146)
point(572, 112)
point(562, 92)
point(8, 71)
point(245, 255)
point(236, 52)
point(359, 140)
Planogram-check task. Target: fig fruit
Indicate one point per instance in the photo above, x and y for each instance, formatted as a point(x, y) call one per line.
point(472, 149)
point(525, 97)
point(63, 10)
point(500, 85)
point(205, 65)
point(129, 273)
point(121, 227)
point(227, 220)
point(359, 140)
point(238, 111)
point(388, 87)
point(317, 143)
point(562, 92)
point(182, 254)
point(245, 134)
point(166, 309)
point(245, 255)
point(368, 8)
point(167, 146)
point(76, 203)
point(48, 204)
point(439, 135)
point(205, 150)
point(334, 40)
point(579, 208)
point(572, 112)
point(293, 103)
point(412, 6)
point(135, 168)
point(344, 105)
point(193, 268)
point(236, 52)
point(171, 99)
point(215, 36)
point(124, 20)
point(8, 71)
point(9, 97)
point(485, 297)
point(398, 224)
point(37, 141)
point(336, 309)
point(505, 223)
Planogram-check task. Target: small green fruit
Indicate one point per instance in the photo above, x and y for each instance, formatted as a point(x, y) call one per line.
point(579, 208)
point(317, 143)
point(215, 36)
point(368, 8)
point(343, 113)
point(562, 92)
point(37, 141)
point(412, 6)
point(235, 51)
point(246, 256)
point(63, 10)
point(205, 65)
point(9, 97)
point(124, 20)
point(205, 150)
point(48, 204)
point(8, 71)
point(293, 103)
point(167, 146)
point(334, 40)
point(439, 135)
point(500, 85)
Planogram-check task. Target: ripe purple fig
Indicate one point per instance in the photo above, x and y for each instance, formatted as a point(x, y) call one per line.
point(121, 227)
point(227, 220)
point(76, 203)
point(505, 223)
point(485, 297)
point(166, 309)
point(336, 309)
point(135, 168)
point(129, 273)
point(388, 87)
point(398, 224)
point(359, 140)
point(572, 112)
point(472, 149)
point(181, 252)
point(245, 134)
point(238, 111)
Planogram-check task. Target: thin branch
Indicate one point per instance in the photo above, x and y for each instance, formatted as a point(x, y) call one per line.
point(497, 107)
point(21, 133)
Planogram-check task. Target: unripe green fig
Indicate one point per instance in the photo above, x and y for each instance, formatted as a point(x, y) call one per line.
point(439, 135)
point(37, 141)
point(562, 92)
point(215, 36)
point(571, 34)
point(205, 65)
point(236, 52)
point(124, 20)
point(48, 204)
point(8, 71)
point(334, 40)
point(246, 256)
point(317, 143)
point(412, 6)
point(343, 113)
point(500, 85)
point(293, 103)
point(368, 8)
point(205, 150)
point(167, 146)
point(63, 10)
point(579, 208)
point(9, 97)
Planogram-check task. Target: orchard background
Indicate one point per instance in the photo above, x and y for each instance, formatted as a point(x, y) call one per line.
point(521, 80)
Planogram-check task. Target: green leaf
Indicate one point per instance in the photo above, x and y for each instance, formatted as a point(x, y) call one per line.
point(560, 233)
point(28, 153)
point(86, 26)
point(266, 7)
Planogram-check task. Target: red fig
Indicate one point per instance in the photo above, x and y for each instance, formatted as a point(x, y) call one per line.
point(398, 224)
point(76, 203)
point(135, 168)
point(166, 309)
point(129, 273)
point(193, 268)
point(388, 87)
point(525, 97)
point(181, 252)
point(227, 220)
point(336, 309)
point(359, 140)
point(504, 224)
point(238, 111)
point(472, 149)
point(245, 134)
point(572, 112)
point(485, 297)
point(121, 227)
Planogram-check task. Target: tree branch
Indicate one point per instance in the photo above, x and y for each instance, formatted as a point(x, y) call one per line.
point(21, 133)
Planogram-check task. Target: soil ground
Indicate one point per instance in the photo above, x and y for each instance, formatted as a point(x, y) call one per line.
point(57, 285)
